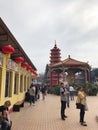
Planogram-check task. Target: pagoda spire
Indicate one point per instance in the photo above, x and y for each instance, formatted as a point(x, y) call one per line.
point(55, 41)
point(55, 44)
point(55, 54)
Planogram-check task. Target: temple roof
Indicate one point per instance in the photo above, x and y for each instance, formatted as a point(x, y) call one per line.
point(70, 62)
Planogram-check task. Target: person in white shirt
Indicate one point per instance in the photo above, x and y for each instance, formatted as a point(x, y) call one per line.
point(32, 94)
point(71, 89)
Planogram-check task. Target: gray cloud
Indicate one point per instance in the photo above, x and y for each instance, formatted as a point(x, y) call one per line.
point(37, 23)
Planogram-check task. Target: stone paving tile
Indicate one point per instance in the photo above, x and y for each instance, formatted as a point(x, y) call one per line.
point(45, 115)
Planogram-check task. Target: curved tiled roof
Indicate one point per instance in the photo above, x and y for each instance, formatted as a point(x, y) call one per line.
point(70, 62)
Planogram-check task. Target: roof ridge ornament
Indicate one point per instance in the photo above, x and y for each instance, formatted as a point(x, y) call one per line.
point(55, 44)
point(68, 56)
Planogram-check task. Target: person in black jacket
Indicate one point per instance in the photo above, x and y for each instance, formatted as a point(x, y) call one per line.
point(27, 96)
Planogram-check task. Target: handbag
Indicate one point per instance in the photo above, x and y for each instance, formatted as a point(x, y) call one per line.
point(86, 107)
point(78, 105)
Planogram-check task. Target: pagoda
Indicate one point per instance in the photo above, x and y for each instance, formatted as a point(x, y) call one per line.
point(54, 58)
point(55, 55)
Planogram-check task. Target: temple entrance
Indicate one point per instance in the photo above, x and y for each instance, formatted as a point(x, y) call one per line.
point(72, 71)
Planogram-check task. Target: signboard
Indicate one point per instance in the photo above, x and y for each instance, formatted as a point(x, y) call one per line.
point(12, 65)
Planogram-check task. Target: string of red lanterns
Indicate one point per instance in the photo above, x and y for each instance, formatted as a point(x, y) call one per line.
point(8, 49)
point(28, 67)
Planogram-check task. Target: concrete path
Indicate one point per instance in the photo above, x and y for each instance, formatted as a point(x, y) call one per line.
point(45, 115)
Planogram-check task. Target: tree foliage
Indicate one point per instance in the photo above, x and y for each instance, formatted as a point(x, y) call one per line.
point(94, 74)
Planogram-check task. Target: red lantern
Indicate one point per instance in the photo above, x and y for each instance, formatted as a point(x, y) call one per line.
point(29, 67)
point(19, 59)
point(34, 72)
point(8, 49)
point(25, 64)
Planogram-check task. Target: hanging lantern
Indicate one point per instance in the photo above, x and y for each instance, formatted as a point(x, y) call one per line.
point(19, 59)
point(25, 64)
point(8, 49)
point(34, 72)
point(29, 68)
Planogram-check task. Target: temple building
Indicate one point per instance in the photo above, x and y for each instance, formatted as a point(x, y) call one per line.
point(16, 69)
point(69, 70)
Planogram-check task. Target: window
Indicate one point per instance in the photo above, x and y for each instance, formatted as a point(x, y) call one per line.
point(16, 84)
point(8, 84)
point(21, 83)
point(1, 58)
point(25, 83)
point(28, 83)
point(0, 80)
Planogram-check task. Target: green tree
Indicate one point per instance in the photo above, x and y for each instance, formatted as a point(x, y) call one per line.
point(94, 74)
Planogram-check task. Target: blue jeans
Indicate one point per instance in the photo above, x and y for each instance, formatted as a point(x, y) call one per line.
point(32, 99)
point(67, 100)
point(5, 125)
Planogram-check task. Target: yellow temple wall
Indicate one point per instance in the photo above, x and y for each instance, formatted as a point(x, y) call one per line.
point(26, 81)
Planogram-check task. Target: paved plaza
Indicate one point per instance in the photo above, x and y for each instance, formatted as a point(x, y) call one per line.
point(45, 115)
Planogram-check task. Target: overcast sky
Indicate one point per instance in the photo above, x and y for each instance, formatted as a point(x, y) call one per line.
point(36, 24)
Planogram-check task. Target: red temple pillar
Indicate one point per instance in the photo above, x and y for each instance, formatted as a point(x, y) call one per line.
point(58, 78)
point(88, 75)
point(50, 78)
